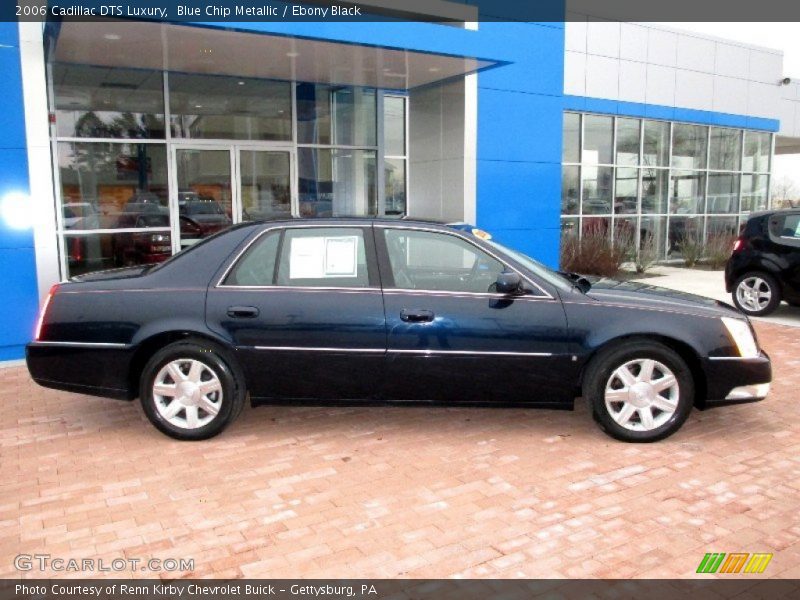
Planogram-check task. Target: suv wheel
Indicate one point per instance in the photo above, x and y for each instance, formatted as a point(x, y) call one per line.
point(190, 390)
point(640, 391)
point(756, 294)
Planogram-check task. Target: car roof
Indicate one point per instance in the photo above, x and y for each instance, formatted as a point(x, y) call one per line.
point(339, 220)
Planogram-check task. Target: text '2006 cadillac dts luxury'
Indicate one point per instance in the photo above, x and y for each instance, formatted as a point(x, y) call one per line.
point(352, 310)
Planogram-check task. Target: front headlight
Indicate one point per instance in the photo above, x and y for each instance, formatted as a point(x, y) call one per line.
point(742, 337)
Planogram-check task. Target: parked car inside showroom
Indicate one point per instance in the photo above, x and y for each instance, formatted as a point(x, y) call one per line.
point(764, 268)
point(354, 310)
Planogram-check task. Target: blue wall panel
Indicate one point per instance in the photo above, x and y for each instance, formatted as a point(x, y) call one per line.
point(18, 294)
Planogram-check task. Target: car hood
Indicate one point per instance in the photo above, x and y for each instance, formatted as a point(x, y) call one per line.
point(643, 295)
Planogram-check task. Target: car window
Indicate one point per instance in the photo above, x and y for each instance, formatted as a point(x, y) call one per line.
point(323, 257)
point(785, 229)
point(424, 260)
point(257, 266)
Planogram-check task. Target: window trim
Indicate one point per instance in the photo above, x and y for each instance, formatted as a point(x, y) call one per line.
point(385, 264)
point(369, 250)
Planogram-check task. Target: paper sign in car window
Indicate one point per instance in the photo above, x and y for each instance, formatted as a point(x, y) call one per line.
point(341, 256)
point(307, 258)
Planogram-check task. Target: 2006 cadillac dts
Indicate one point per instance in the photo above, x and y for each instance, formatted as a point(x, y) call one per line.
point(371, 310)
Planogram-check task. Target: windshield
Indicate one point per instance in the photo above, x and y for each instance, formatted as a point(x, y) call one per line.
point(534, 266)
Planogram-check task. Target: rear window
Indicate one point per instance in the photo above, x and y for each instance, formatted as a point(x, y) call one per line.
point(785, 228)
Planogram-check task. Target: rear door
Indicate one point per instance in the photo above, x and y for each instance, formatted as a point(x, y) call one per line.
point(303, 306)
point(450, 337)
point(784, 232)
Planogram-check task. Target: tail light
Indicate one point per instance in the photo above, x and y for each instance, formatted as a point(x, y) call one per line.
point(739, 244)
point(43, 312)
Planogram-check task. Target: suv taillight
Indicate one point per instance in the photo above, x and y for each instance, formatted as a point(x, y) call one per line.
point(739, 244)
point(43, 312)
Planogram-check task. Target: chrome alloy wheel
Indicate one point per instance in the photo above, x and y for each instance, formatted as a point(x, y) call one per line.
point(187, 393)
point(753, 293)
point(642, 394)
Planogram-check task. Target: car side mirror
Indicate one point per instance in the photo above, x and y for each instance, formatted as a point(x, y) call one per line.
point(508, 282)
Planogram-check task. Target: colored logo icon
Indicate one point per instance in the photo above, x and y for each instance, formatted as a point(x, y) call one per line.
point(735, 562)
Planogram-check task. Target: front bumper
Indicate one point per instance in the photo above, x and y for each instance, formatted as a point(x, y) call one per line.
point(733, 380)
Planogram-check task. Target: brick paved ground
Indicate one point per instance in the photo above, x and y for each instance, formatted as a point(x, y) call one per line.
point(418, 492)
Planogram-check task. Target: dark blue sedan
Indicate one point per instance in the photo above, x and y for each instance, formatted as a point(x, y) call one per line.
point(387, 311)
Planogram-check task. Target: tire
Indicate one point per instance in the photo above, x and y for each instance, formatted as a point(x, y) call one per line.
point(756, 294)
point(206, 366)
point(622, 410)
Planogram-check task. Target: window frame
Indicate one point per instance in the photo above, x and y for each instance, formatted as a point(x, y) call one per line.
point(387, 275)
point(373, 276)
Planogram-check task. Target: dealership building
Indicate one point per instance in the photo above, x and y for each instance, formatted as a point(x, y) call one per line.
point(126, 141)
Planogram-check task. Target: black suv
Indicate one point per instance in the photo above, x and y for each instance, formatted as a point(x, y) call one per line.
point(765, 265)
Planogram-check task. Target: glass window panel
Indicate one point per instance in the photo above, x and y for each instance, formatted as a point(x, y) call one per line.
point(257, 267)
point(98, 251)
point(757, 147)
point(336, 115)
point(570, 151)
point(656, 144)
point(652, 235)
point(106, 185)
point(265, 184)
point(628, 141)
point(323, 256)
point(754, 192)
point(625, 232)
point(570, 190)
point(103, 102)
point(597, 135)
point(596, 226)
point(626, 190)
point(424, 260)
point(726, 149)
point(681, 228)
point(336, 182)
point(689, 146)
point(597, 190)
point(655, 187)
point(394, 126)
point(395, 186)
point(723, 193)
point(721, 226)
point(204, 193)
point(569, 228)
point(688, 189)
point(220, 107)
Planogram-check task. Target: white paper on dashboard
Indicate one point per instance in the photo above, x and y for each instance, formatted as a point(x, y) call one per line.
point(340, 256)
point(307, 258)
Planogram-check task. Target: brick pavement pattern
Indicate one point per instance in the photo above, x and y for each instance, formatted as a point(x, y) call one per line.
point(401, 492)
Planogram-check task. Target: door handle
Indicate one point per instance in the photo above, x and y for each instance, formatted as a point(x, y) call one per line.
point(242, 312)
point(416, 315)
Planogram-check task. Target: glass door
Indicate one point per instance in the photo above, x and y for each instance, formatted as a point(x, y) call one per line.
point(265, 183)
point(203, 198)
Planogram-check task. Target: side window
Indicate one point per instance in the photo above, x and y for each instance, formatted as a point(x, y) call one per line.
point(257, 266)
point(323, 257)
point(424, 260)
point(785, 229)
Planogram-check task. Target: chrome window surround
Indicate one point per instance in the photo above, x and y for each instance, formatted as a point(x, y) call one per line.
point(543, 296)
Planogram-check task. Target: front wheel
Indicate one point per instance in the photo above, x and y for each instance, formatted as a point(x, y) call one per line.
point(189, 390)
point(756, 294)
point(640, 392)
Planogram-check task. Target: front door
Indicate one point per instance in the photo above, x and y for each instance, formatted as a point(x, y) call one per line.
point(216, 185)
point(303, 307)
point(451, 338)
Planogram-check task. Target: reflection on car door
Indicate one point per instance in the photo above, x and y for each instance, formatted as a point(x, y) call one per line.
point(303, 307)
point(451, 338)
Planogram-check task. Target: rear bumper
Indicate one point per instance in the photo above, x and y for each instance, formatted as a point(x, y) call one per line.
point(96, 370)
point(733, 380)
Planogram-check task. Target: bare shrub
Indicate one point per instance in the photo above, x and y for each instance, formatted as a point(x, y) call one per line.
point(594, 254)
point(692, 248)
point(648, 253)
point(718, 249)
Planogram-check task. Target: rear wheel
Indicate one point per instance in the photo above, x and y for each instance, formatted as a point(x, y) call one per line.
point(190, 390)
point(641, 391)
point(756, 294)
